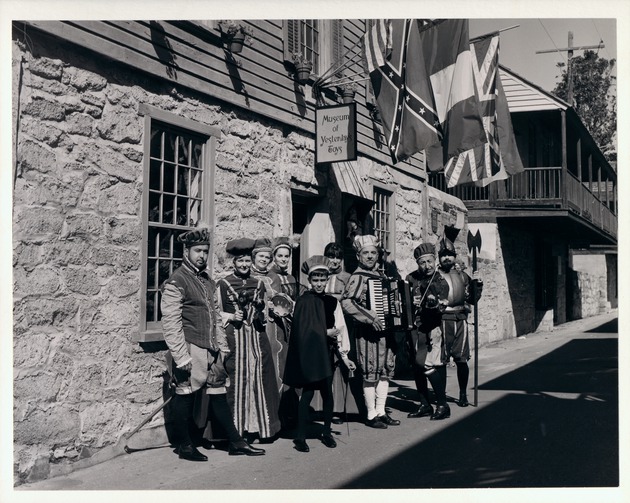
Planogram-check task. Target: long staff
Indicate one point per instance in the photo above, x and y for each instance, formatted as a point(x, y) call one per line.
point(474, 243)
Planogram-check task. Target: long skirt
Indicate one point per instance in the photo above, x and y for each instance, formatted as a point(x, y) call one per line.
point(278, 330)
point(253, 388)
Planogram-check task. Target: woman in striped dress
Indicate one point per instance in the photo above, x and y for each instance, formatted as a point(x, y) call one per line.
point(253, 390)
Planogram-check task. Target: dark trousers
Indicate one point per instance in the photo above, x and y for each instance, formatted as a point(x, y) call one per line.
point(182, 409)
point(325, 388)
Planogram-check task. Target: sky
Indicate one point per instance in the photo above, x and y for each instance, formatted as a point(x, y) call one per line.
point(518, 46)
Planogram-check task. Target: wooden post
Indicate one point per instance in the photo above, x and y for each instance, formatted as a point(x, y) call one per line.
point(579, 159)
point(590, 172)
point(564, 178)
point(493, 193)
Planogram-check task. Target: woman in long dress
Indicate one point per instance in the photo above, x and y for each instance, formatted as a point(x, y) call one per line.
point(282, 282)
point(253, 390)
point(285, 287)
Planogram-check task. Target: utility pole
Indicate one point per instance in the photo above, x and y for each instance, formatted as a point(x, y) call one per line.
point(569, 51)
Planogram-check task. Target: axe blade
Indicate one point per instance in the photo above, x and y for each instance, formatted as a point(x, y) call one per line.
point(474, 240)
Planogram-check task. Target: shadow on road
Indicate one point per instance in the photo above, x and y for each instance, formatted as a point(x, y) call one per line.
point(539, 438)
point(610, 327)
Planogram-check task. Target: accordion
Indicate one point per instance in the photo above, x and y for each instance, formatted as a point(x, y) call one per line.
point(392, 301)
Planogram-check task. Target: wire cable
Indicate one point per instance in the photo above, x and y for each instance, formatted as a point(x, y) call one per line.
point(554, 44)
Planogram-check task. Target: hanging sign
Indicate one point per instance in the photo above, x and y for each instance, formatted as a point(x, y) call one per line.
point(336, 133)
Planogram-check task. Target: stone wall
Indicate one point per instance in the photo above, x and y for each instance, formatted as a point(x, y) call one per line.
point(589, 278)
point(506, 265)
point(81, 381)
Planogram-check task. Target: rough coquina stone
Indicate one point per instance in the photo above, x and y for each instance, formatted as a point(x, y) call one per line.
point(120, 128)
point(44, 109)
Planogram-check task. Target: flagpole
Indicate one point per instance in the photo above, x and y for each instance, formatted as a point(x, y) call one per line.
point(345, 80)
point(498, 31)
point(332, 68)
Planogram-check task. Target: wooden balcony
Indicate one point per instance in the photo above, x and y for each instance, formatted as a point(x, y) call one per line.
point(538, 192)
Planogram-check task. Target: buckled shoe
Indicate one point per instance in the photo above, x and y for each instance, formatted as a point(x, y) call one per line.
point(301, 445)
point(423, 410)
point(389, 420)
point(191, 453)
point(376, 423)
point(241, 448)
point(441, 412)
point(328, 440)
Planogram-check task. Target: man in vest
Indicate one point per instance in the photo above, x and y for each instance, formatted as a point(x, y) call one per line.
point(198, 346)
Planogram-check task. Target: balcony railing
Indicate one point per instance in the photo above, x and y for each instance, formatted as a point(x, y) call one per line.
point(536, 188)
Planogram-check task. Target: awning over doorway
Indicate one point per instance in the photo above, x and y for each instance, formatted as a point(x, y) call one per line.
point(348, 180)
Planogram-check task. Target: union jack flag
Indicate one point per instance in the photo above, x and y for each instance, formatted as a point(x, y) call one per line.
point(485, 164)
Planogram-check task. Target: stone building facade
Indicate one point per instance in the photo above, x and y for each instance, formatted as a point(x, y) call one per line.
point(82, 379)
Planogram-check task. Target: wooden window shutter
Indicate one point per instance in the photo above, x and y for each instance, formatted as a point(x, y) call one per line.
point(338, 48)
point(291, 36)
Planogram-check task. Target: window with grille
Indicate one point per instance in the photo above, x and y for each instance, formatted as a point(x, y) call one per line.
point(318, 40)
point(177, 197)
point(382, 218)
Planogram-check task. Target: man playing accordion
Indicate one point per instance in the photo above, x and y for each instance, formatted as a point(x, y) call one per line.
point(375, 345)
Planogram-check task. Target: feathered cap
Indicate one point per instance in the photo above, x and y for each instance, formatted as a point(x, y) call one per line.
point(199, 236)
point(316, 263)
point(261, 245)
point(447, 248)
point(240, 247)
point(424, 249)
point(361, 242)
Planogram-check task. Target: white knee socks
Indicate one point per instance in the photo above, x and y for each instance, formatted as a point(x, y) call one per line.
point(369, 394)
point(382, 389)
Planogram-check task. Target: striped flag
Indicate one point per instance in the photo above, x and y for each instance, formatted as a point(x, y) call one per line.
point(446, 47)
point(401, 86)
point(485, 164)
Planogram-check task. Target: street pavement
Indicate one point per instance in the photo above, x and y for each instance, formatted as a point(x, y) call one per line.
point(547, 417)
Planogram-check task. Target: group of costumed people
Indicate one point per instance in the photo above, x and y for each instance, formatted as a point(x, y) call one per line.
point(243, 348)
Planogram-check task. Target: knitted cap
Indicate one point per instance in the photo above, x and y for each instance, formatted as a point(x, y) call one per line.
point(424, 249)
point(281, 242)
point(240, 247)
point(361, 242)
point(200, 236)
point(316, 263)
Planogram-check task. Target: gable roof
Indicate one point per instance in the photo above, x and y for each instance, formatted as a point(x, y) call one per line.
point(525, 96)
